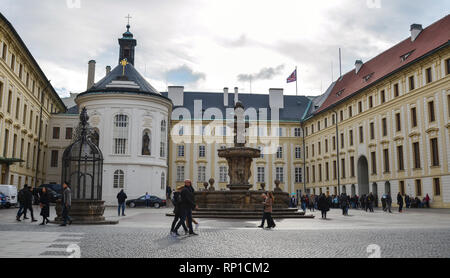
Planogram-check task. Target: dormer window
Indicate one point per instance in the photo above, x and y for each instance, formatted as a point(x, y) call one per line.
point(405, 56)
point(367, 77)
point(340, 92)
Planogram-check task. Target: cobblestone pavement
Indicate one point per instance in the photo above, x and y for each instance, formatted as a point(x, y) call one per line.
point(144, 233)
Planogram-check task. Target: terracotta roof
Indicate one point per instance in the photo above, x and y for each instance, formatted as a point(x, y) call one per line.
point(388, 62)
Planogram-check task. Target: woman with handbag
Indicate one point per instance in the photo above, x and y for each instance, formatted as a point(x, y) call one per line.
point(44, 203)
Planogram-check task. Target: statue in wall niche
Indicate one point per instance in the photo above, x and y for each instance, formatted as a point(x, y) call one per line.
point(146, 144)
point(205, 184)
point(277, 186)
point(211, 184)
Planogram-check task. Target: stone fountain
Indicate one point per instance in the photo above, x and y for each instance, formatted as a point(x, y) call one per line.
point(239, 201)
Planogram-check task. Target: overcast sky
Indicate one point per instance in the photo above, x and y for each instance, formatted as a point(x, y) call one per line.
point(207, 45)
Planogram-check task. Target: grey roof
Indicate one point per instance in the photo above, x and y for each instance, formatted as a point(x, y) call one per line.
point(294, 106)
point(130, 81)
point(316, 102)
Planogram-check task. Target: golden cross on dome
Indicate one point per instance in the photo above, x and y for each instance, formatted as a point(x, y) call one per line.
point(124, 63)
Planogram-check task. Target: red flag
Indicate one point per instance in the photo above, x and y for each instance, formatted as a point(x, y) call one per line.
point(292, 77)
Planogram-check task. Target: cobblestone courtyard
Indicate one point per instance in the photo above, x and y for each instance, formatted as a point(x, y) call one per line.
point(144, 233)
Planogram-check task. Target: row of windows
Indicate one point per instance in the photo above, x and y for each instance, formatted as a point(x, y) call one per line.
point(260, 131)
point(383, 99)
point(25, 78)
point(434, 150)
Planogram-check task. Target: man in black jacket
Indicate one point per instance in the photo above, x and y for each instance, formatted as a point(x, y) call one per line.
point(21, 199)
point(121, 197)
point(187, 205)
point(28, 202)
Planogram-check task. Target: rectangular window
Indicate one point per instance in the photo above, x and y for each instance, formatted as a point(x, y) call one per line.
point(279, 174)
point(413, 117)
point(334, 170)
point(343, 167)
point(431, 111)
point(119, 145)
point(4, 51)
point(201, 151)
point(17, 108)
point(386, 160)
point(416, 153)
point(298, 175)
point(261, 174)
point(54, 159)
point(14, 145)
point(360, 107)
point(307, 174)
point(298, 152)
point(201, 173)
point(325, 122)
point(398, 122)
point(418, 188)
point(280, 152)
point(9, 101)
point(396, 90)
point(320, 172)
point(342, 115)
point(313, 173)
point(384, 126)
point(434, 152)
point(447, 66)
point(372, 131)
point(55, 132)
point(69, 132)
point(31, 119)
point(20, 71)
point(13, 62)
point(401, 166)
point(429, 76)
point(297, 132)
point(437, 187)
point(326, 145)
point(352, 166)
point(351, 137)
point(374, 162)
point(411, 83)
point(350, 112)
point(370, 102)
point(334, 143)
point(181, 150)
point(361, 135)
point(382, 96)
point(24, 118)
point(28, 155)
point(1, 94)
point(5, 145)
point(312, 150)
point(327, 171)
point(180, 173)
point(223, 174)
point(342, 140)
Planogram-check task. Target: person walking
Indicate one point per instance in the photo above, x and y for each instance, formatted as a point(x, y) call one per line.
point(264, 197)
point(147, 199)
point(427, 201)
point(66, 203)
point(370, 201)
point(178, 212)
point(400, 202)
point(121, 197)
point(169, 193)
point(44, 203)
point(311, 203)
point(323, 205)
point(344, 203)
point(21, 200)
point(28, 203)
point(388, 202)
point(383, 201)
point(187, 205)
point(268, 204)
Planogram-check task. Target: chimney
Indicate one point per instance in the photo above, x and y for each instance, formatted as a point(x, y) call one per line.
point(175, 93)
point(91, 74)
point(415, 31)
point(358, 65)
point(276, 98)
point(236, 95)
point(108, 69)
point(225, 96)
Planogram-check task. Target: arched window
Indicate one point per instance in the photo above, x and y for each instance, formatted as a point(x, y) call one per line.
point(162, 149)
point(120, 134)
point(119, 177)
point(146, 142)
point(163, 180)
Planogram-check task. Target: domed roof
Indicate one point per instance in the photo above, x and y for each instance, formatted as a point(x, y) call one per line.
point(123, 79)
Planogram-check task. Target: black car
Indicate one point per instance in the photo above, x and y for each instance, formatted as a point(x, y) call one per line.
point(54, 191)
point(140, 202)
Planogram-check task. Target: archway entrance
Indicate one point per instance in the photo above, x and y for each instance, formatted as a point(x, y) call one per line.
point(363, 176)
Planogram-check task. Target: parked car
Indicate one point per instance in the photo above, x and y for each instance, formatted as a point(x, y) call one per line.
point(54, 191)
point(140, 202)
point(10, 195)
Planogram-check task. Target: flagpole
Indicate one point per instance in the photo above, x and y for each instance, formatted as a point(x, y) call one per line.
point(296, 77)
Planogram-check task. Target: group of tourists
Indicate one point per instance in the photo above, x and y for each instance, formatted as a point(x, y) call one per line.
point(25, 199)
